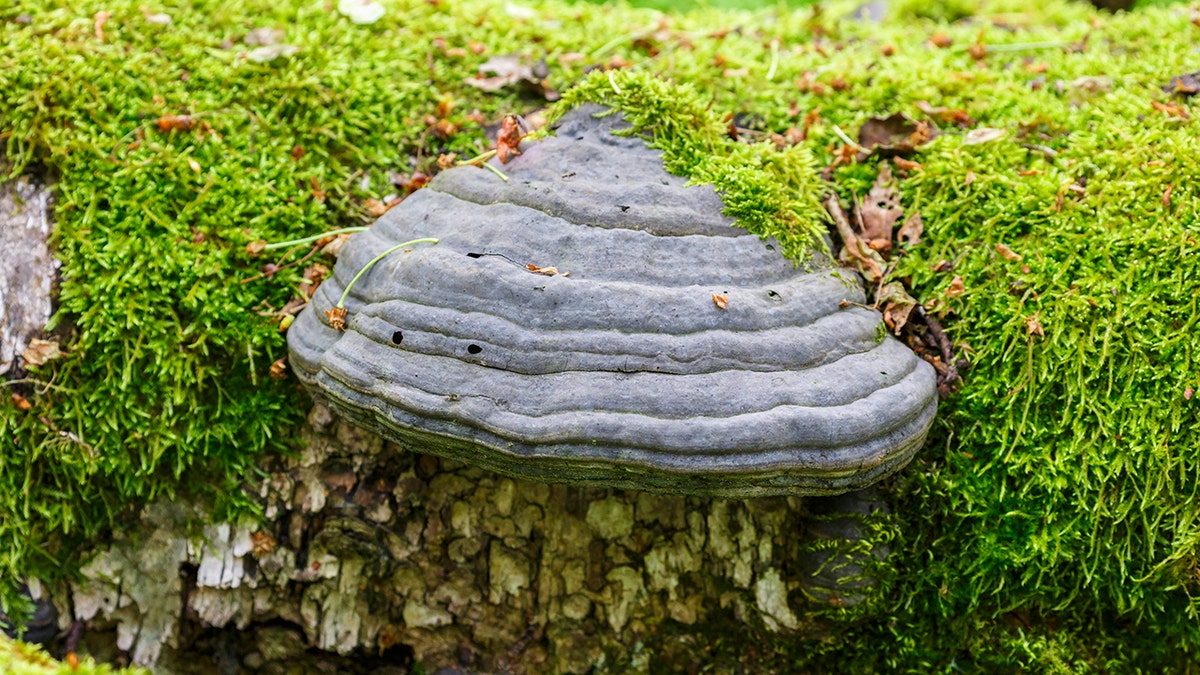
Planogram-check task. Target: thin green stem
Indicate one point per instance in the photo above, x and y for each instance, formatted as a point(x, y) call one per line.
point(315, 237)
point(342, 301)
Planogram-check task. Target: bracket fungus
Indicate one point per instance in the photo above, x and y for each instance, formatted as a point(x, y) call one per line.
point(594, 321)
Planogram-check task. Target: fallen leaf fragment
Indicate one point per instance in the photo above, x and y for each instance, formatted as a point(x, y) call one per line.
point(907, 164)
point(1188, 393)
point(21, 402)
point(40, 351)
point(278, 369)
point(912, 229)
point(1171, 109)
point(1187, 84)
point(721, 300)
point(509, 141)
point(256, 247)
point(1033, 326)
point(548, 271)
point(176, 123)
point(940, 40)
point(880, 209)
point(896, 304)
point(956, 116)
point(1007, 253)
point(983, 135)
point(512, 70)
point(361, 12)
point(956, 288)
point(896, 134)
point(98, 21)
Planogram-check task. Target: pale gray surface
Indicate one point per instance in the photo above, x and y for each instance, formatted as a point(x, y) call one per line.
point(26, 267)
point(625, 373)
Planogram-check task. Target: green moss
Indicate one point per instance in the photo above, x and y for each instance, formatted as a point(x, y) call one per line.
point(1052, 522)
point(769, 191)
point(19, 658)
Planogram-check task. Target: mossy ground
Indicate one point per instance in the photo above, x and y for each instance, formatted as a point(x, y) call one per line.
point(1051, 524)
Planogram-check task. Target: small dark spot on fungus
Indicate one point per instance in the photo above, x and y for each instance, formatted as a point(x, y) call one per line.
point(774, 296)
point(397, 337)
point(474, 255)
point(474, 349)
point(623, 208)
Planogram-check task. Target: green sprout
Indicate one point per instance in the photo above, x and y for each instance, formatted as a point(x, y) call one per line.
point(337, 315)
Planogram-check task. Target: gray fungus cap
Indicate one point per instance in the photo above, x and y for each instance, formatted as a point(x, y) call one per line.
point(622, 370)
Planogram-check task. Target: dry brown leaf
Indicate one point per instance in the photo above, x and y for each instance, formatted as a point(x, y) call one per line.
point(1171, 109)
point(21, 402)
point(509, 141)
point(1187, 84)
point(897, 304)
point(1033, 326)
point(278, 369)
point(896, 134)
point(956, 116)
point(940, 40)
point(548, 271)
point(957, 287)
point(907, 164)
point(337, 317)
point(912, 229)
point(512, 70)
point(176, 123)
point(880, 209)
point(1007, 253)
point(40, 351)
point(721, 300)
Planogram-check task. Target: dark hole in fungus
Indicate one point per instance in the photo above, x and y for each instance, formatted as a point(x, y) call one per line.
point(474, 349)
point(474, 255)
point(774, 296)
point(770, 247)
point(397, 337)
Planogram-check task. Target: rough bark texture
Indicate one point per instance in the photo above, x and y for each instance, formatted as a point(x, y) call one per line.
point(27, 269)
point(383, 556)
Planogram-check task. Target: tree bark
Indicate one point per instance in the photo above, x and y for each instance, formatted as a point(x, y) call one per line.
point(383, 556)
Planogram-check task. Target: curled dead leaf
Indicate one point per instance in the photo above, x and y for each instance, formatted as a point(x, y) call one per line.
point(509, 140)
point(896, 304)
point(1033, 326)
point(956, 288)
point(21, 402)
point(278, 369)
point(721, 300)
point(1187, 84)
point(256, 247)
point(1007, 253)
point(1171, 110)
point(513, 70)
point(337, 317)
point(40, 351)
point(548, 271)
point(175, 123)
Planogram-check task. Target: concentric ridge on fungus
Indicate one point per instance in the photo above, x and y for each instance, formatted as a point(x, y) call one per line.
point(624, 373)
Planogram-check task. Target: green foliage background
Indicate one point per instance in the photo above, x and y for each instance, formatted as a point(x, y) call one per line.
point(1052, 522)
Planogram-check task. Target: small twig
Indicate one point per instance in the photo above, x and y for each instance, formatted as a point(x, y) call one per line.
point(834, 207)
point(774, 58)
point(280, 268)
point(842, 135)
